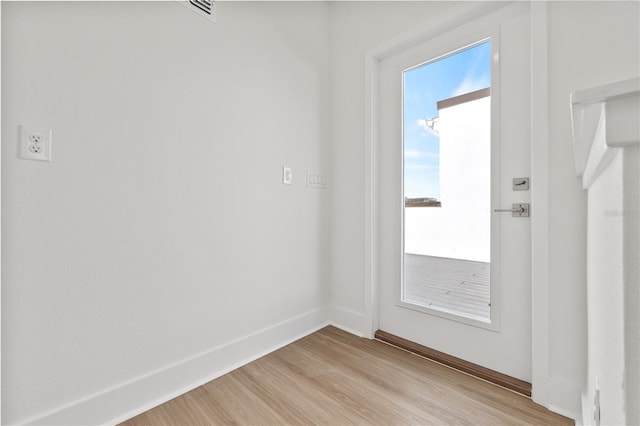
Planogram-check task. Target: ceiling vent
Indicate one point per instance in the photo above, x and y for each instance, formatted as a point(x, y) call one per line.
point(204, 8)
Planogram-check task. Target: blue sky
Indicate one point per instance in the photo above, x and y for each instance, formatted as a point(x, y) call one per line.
point(451, 76)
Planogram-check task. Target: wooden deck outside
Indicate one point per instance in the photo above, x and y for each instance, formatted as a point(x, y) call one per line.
point(452, 285)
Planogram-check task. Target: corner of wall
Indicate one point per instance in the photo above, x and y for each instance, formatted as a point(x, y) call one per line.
point(347, 320)
point(565, 398)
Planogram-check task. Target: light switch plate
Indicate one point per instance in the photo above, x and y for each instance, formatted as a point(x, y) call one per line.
point(315, 180)
point(287, 175)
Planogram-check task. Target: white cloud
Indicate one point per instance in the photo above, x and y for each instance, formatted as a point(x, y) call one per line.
point(476, 78)
point(423, 125)
point(471, 84)
point(419, 167)
point(414, 153)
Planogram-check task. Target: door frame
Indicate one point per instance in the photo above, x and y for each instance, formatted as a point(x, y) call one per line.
point(539, 173)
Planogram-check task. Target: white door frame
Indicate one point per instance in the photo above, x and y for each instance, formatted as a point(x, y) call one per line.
point(539, 175)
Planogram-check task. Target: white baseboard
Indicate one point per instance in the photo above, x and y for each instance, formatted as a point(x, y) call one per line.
point(347, 320)
point(137, 396)
point(565, 398)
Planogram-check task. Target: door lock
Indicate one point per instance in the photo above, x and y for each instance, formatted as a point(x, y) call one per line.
point(517, 210)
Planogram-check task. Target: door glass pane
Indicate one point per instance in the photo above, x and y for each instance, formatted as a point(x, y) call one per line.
point(447, 183)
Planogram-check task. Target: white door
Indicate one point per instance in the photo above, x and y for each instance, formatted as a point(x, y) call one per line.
point(415, 244)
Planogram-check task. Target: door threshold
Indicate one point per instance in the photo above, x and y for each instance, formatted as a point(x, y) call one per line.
point(508, 382)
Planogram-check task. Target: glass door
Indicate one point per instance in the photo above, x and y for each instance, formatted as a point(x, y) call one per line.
point(447, 183)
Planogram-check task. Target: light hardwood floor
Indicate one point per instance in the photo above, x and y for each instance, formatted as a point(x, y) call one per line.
point(334, 378)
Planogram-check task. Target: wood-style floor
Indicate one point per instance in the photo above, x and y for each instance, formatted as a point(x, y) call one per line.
point(453, 285)
point(334, 378)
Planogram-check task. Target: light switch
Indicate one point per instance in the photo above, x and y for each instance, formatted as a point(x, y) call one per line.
point(315, 180)
point(287, 175)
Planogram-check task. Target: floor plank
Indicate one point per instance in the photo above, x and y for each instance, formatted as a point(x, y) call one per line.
point(334, 378)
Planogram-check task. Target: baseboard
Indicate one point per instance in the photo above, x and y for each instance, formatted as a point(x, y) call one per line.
point(137, 396)
point(347, 320)
point(565, 398)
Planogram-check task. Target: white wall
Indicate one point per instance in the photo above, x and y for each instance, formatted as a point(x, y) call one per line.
point(461, 227)
point(605, 293)
point(161, 230)
point(631, 296)
point(590, 44)
point(612, 178)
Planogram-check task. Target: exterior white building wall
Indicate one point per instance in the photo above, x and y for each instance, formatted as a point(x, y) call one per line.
point(460, 228)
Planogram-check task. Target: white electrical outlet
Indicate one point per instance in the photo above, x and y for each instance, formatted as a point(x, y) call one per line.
point(34, 145)
point(35, 148)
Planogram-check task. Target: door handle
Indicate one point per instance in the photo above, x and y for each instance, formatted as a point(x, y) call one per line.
point(516, 210)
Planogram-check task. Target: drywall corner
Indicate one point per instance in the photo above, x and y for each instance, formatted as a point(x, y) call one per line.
point(348, 320)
